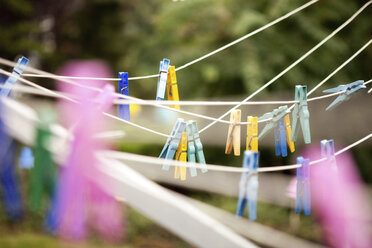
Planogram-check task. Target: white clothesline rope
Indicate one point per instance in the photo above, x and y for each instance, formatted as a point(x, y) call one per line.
point(194, 61)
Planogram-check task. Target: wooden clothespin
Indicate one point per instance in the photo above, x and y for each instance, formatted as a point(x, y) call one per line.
point(181, 155)
point(252, 133)
point(191, 147)
point(248, 186)
point(162, 80)
point(124, 109)
point(349, 90)
point(280, 139)
point(301, 112)
point(288, 131)
point(173, 141)
point(172, 87)
point(274, 117)
point(328, 151)
point(12, 80)
point(199, 148)
point(303, 186)
point(233, 135)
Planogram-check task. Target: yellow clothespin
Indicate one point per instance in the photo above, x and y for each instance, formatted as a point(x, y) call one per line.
point(233, 136)
point(172, 87)
point(252, 133)
point(288, 131)
point(181, 155)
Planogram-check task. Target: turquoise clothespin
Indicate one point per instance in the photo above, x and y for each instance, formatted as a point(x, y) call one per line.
point(26, 158)
point(124, 109)
point(303, 197)
point(162, 80)
point(276, 115)
point(349, 90)
point(280, 139)
point(173, 141)
point(248, 186)
point(191, 148)
point(199, 147)
point(12, 80)
point(301, 112)
point(328, 151)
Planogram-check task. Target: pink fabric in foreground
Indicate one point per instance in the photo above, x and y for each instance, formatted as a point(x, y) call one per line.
point(80, 198)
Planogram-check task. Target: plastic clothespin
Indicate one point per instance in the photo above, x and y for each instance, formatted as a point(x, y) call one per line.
point(303, 186)
point(252, 133)
point(248, 186)
point(328, 151)
point(275, 116)
point(191, 148)
point(199, 148)
point(173, 141)
point(124, 109)
point(12, 80)
point(162, 80)
point(280, 139)
point(349, 90)
point(301, 112)
point(288, 131)
point(181, 155)
point(26, 158)
point(172, 87)
point(233, 135)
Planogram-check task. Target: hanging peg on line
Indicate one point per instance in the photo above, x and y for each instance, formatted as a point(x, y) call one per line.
point(275, 116)
point(173, 141)
point(328, 151)
point(301, 112)
point(162, 80)
point(349, 90)
point(172, 87)
point(12, 80)
point(191, 148)
point(181, 155)
point(248, 186)
point(233, 135)
point(199, 148)
point(303, 196)
point(288, 131)
point(280, 139)
point(124, 109)
point(252, 133)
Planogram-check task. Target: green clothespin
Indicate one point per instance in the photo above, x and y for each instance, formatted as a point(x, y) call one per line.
point(199, 147)
point(43, 174)
point(301, 112)
point(275, 116)
point(191, 147)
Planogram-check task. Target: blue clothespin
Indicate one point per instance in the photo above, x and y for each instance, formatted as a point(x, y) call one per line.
point(276, 115)
point(173, 141)
point(328, 151)
point(199, 148)
point(162, 80)
point(349, 90)
point(301, 112)
point(26, 158)
point(248, 186)
point(303, 186)
point(12, 80)
point(191, 148)
point(280, 139)
point(124, 109)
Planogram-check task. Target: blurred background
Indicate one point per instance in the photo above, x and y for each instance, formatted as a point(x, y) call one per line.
point(133, 36)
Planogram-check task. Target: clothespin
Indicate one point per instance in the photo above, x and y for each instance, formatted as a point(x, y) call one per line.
point(275, 116)
point(328, 151)
point(233, 135)
point(301, 112)
point(349, 90)
point(191, 147)
point(288, 131)
point(303, 186)
point(173, 141)
point(162, 80)
point(199, 147)
point(248, 186)
point(17, 72)
point(181, 155)
point(124, 109)
point(26, 158)
point(252, 132)
point(172, 87)
point(280, 139)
